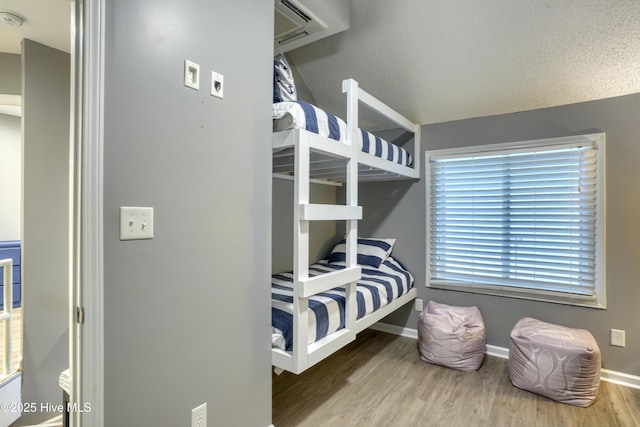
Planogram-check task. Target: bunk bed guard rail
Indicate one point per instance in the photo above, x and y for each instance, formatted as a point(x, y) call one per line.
point(6, 317)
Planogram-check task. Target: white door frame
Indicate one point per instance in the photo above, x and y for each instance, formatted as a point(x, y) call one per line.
point(86, 290)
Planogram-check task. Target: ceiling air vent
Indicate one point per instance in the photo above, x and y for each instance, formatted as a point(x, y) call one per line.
point(293, 21)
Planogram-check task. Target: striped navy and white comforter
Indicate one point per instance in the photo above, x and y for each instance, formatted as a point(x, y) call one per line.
point(377, 288)
point(300, 115)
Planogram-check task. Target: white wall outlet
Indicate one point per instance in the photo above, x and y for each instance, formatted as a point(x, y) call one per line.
point(217, 85)
point(618, 338)
point(419, 305)
point(191, 75)
point(199, 416)
point(136, 223)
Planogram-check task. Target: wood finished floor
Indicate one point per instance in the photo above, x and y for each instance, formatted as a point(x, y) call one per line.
point(379, 380)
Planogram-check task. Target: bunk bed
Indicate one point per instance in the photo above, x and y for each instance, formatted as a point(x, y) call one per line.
point(320, 148)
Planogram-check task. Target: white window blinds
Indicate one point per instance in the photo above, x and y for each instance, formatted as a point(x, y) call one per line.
point(524, 218)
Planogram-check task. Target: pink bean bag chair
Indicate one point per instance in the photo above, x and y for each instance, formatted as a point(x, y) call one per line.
point(554, 361)
point(451, 336)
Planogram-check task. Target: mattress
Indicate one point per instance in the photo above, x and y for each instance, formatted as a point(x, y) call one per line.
point(300, 115)
point(377, 288)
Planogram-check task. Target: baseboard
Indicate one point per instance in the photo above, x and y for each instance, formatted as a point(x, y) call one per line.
point(495, 351)
point(395, 330)
point(607, 375)
point(620, 378)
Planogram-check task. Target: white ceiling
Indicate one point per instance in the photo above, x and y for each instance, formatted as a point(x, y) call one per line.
point(437, 61)
point(47, 22)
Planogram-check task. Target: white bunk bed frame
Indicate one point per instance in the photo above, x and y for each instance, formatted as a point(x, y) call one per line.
point(318, 159)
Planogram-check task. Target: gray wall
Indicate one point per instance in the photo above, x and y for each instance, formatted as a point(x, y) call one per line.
point(398, 209)
point(304, 94)
point(187, 313)
point(10, 176)
point(45, 222)
point(10, 74)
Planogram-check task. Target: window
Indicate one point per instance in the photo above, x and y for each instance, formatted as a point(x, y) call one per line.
point(521, 219)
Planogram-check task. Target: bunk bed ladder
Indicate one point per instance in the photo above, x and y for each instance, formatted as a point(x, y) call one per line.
point(305, 355)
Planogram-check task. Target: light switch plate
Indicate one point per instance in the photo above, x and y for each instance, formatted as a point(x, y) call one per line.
point(136, 223)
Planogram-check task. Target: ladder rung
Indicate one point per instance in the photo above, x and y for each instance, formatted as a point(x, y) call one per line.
point(324, 282)
point(311, 212)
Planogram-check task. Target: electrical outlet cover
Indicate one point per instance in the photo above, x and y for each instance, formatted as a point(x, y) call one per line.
point(217, 85)
point(191, 74)
point(199, 416)
point(618, 338)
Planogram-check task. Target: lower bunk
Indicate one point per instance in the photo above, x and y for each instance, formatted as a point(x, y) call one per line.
point(380, 291)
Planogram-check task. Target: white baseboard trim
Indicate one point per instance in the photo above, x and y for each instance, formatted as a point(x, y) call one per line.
point(620, 378)
point(607, 375)
point(495, 351)
point(395, 330)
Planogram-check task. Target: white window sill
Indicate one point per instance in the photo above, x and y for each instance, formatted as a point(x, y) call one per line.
point(527, 294)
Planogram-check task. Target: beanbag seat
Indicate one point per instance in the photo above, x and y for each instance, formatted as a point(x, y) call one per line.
point(452, 336)
point(555, 361)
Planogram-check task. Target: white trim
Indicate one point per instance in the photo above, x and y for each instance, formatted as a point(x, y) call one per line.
point(496, 351)
point(395, 330)
point(620, 378)
point(93, 283)
point(75, 226)
point(87, 339)
point(571, 141)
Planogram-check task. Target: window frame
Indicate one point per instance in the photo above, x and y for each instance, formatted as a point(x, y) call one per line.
point(600, 237)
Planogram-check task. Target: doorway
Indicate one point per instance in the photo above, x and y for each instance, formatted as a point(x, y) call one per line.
point(45, 217)
point(84, 239)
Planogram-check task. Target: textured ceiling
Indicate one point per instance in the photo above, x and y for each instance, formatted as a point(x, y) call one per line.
point(437, 61)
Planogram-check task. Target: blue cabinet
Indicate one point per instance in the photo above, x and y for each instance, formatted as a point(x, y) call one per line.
point(11, 249)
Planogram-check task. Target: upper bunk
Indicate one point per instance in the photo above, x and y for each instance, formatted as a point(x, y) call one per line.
point(333, 142)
